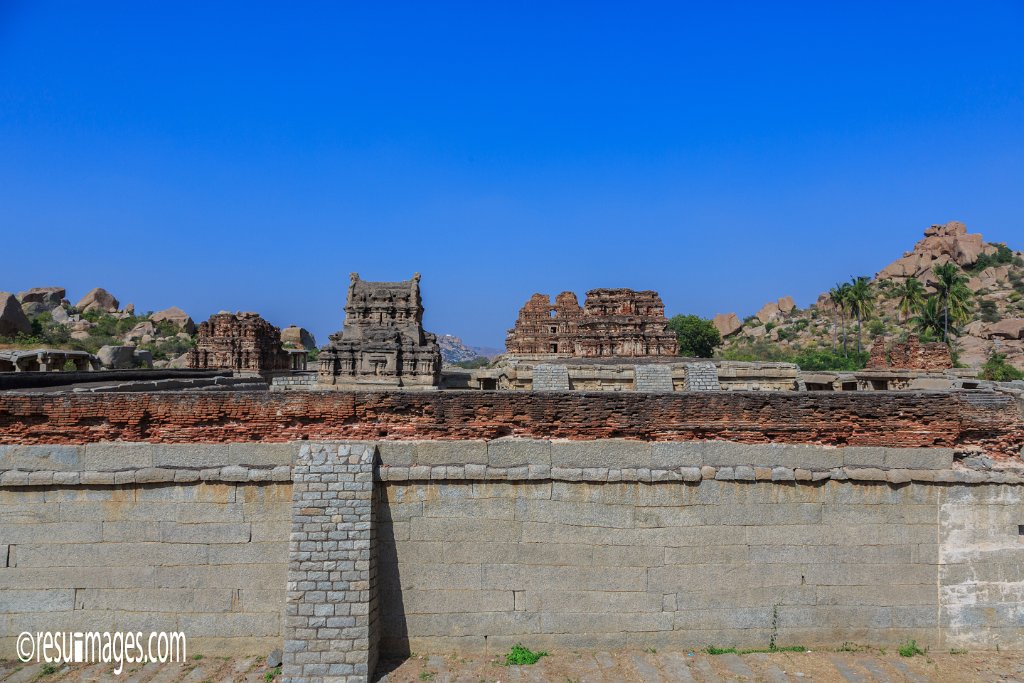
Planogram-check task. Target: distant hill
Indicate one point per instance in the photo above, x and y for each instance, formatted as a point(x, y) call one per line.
point(994, 324)
point(453, 350)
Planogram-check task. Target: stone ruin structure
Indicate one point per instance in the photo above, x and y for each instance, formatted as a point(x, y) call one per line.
point(909, 355)
point(238, 341)
point(611, 323)
point(382, 345)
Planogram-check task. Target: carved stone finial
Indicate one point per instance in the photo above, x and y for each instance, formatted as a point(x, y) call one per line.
point(353, 277)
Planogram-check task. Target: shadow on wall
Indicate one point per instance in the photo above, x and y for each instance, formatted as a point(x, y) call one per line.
point(393, 629)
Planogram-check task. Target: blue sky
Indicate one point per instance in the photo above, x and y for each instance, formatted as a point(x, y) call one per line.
point(250, 155)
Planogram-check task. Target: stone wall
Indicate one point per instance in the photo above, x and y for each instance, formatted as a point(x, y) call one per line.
point(479, 544)
point(983, 420)
point(547, 377)
point(701, 377)
point(564, 544)
point(565, 565)
point(656, 378)
point(588, 375)
point(207, 558)
point(558, 519)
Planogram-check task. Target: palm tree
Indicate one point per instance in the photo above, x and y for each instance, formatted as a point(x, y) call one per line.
point(861, 302)
point(835, 296)
point(930, 320)
point(911, 297)
point(953, 294)
point(840, 298)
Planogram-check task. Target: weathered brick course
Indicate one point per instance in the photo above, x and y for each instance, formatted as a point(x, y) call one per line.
point(991, 422)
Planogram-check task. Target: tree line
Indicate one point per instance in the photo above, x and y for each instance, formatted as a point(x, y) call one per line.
point(933, 316)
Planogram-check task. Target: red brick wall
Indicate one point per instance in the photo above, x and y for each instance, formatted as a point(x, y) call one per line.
point(991, 421)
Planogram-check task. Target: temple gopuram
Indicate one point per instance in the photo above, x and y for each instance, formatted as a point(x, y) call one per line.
point(238, 341)
point(612, 323)
point(382, 344)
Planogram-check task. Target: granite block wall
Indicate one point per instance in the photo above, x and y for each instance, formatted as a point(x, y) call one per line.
point(207, 558)
point(476, 544)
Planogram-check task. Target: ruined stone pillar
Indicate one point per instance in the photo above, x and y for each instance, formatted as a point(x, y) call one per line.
point(331, 619)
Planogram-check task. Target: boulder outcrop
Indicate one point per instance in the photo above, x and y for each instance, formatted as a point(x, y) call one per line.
point(116, 357)
point(769, 312)
point(1010, 328)
point(941, 244)
point(727, 324)
point(49, 296)
point(12, 319)
point(98, 299)
point(176, 316)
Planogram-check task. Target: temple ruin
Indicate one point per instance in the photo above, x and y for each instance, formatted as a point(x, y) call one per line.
point(909, 355)
point(612, 323)
point(238, 341)
point(382, 344)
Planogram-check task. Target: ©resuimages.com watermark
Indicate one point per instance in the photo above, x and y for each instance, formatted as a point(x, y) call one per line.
point(101, 647)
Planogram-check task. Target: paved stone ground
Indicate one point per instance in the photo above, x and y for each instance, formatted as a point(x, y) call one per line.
point(240, 670)
point(866, 666)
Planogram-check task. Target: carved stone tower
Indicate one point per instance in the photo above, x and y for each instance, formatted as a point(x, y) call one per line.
point(382, 344)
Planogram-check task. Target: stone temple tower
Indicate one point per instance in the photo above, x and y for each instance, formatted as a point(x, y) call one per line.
point(382, 344)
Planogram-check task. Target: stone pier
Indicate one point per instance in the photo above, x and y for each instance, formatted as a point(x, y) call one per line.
point(330, 624)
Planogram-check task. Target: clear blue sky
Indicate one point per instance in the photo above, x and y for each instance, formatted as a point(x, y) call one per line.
point(249, 156)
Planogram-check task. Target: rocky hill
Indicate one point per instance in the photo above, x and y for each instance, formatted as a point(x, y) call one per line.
point(453, 350)
point(995, 320)
point(42, 317)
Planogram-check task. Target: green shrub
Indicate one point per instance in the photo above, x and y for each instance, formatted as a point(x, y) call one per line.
point(910, 648)
point(1003, 256)
point(826, 359)
point(697, 336)
point(786, 333)
point(756, 350)
point(996, 369)
point(989, 312)
point(168, 348)
point(712, 650)
point(520, 655)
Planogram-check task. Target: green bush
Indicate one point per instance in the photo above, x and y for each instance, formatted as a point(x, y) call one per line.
point(168, 348)
point(996, 369)
point(1003, 256)
point(826, 359)
point(712, 650)
point(697, 336)
point(520, 655)
point(910, 648)
point(808, 359)
point(755, 350)
point(786, 333)
point(989, 312)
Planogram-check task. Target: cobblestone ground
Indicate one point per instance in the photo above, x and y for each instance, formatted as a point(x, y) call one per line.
point(866, 666)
